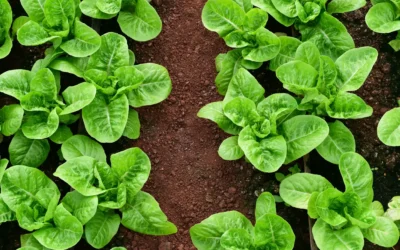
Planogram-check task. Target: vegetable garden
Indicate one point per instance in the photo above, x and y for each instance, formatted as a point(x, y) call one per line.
point(218, 124)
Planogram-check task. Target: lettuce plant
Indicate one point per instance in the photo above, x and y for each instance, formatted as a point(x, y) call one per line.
point(343, 218)
point(57, 21)
point(268, 131)
point(5, 25)
point(31, 198)
point(232, 230)
point(393, 211)
point(324, 87)
point(119, 84)
point(46, 113)
point(105, 190)
point(136, 18)
point(314, 21)
point(242, 26)
point(383, 18)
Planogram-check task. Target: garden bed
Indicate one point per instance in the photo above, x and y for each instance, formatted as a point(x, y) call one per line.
point(188, 178)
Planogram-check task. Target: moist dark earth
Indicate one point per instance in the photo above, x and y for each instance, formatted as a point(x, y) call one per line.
point(188, 178)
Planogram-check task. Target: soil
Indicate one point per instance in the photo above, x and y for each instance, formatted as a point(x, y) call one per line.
point(188, 178)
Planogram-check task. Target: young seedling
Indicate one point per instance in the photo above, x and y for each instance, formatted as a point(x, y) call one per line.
point(383, 18)
point(57, 22)
point(343, 218)
point(232, 230)
point(268, 131)
point(119, 84)
point(136, 18)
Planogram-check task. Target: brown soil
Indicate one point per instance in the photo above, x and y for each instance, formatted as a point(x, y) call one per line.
point(188, 178)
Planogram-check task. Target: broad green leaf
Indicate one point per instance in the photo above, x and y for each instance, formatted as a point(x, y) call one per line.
point(377, 208)
point(393, 212)
point(329, 35)
point(268, 47)
point(214, 112)
point(267, 154)
point(339, 141)
point(70, 65)
point(5, 49)
point(85, 42)
point(272, 230)
point(357, 176)
point(383, 18)
point(56, 11)
point(132, 129)
point(44, 83)
point(11, 119)
point(89, 8)
point(297, 76)
point(296, 190)
point(80, 145)
point(129, 78)
point(34, 9)
point(307, 52)
point(303, 133)
point(40, 125)
point(312, 208)
point(241, 111)
point(324, 204)
point(15, 83)
point(33, 34)
point(383, 233)
point(106, 121)
point(389, 128)
point(28, 152)
point(21, 184)
point(79, 174)
point(236, 238)
point(109, 6)
point(66, 232)
point(100, 230)
point(231, 63)
point(265, 205)
point(82, 207)
point(143, 214)
point(342, 6)
point(286, 7)
point(36, 101)
point(326, 238)
point(222, 16)
point(268, 6)
point(155, 87)
point(230, 150)
point(77, 97)
point(141, 24)
point(18, 22)
point(26, 218)
point(207, 234)
point(113, 53)
point(287, 52)
point(354, 67)
point(348, 106)
point(62, 134)
point(244, 84)
point(132, 167)
point(277, 106)
point(255, 19)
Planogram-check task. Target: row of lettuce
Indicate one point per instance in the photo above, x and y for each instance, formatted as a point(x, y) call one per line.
point(104, 193)
point(320, 71)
